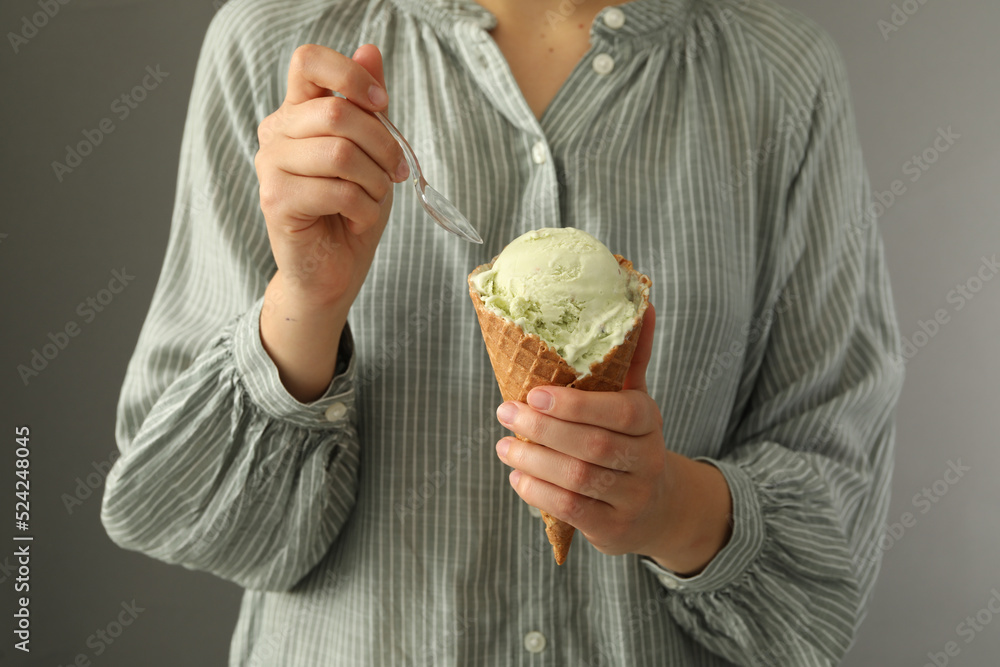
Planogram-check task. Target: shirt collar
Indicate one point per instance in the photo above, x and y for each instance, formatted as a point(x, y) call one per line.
point(641, 16)
point(440, 13)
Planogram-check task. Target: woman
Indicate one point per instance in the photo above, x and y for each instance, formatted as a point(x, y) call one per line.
point(310, 411)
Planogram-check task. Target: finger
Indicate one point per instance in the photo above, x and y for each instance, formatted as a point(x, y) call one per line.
point(337, 117)
point(564, 471)
point(369, 57)
point(332, 157)
point(316, 70)
point(635, 378)
point(578, 511)
point(587, 442)
point(630, 412)
point(305, 198)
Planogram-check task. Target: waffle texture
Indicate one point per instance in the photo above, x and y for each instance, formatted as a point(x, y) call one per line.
point(523, 361)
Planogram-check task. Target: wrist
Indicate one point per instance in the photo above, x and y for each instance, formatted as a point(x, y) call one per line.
point(697, 519)
point(298, 296)
point(301, 338)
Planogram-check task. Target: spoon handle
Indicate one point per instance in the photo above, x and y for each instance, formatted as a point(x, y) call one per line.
point(411, 158)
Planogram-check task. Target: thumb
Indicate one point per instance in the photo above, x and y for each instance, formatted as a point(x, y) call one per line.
point(369, 57)
point(636, 376)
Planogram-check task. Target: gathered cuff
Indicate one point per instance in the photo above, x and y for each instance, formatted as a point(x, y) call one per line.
point(259, 375)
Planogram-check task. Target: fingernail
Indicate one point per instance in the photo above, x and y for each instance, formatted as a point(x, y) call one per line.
point(506, 413)
point(378, 96)
point(502, 448)
point(515, 476)
point(540, 399)
point(402, 171)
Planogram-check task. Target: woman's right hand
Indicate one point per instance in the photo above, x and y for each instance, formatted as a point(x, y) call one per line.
point(326, 168)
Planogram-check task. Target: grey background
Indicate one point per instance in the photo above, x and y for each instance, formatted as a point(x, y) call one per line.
point(64, 239)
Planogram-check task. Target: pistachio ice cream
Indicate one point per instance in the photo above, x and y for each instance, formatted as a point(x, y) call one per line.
point(565, 286)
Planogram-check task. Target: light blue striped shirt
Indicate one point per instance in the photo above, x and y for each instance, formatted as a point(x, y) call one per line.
point(376, 526)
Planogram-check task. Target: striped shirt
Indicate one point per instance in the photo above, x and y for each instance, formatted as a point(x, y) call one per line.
point(711, 142)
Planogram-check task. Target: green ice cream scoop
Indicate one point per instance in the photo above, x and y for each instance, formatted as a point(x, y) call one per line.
point(565, 286)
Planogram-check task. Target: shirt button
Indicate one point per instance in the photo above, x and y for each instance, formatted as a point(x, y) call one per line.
point(670, 583)
point(603, 63)
point(535, 512)
point(335, 412)
point(534, 641)
point(538, 153)
point(614, 18)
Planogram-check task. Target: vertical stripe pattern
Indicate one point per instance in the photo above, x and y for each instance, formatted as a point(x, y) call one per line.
point(720, 155)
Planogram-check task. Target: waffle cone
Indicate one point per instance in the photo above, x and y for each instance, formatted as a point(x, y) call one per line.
point(523, 361)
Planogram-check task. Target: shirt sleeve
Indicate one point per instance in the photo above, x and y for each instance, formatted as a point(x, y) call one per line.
point(221, 469)
point(808, 463)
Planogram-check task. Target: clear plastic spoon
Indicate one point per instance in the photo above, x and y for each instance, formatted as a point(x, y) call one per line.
point(435, 203)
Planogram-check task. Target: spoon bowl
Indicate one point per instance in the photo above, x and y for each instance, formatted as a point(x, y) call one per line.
point(439, 207)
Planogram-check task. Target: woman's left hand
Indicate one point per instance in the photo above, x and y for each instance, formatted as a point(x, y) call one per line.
point(601, 465)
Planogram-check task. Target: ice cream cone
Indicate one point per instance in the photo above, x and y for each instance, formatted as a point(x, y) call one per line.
point(523, 361)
